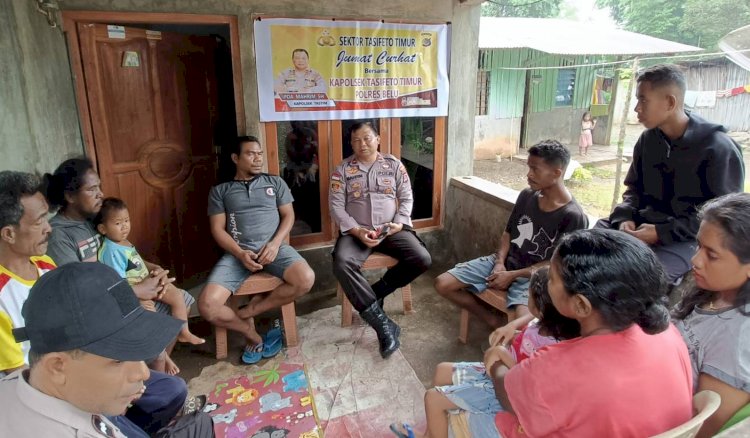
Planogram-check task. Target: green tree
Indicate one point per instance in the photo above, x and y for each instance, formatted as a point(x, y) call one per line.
point(708, 21)
point(695, 22)
point(521, 8)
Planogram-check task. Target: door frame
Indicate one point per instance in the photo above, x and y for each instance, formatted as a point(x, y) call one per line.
point(70, 28)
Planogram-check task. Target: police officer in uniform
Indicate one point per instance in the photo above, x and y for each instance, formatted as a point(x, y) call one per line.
point(301, 78)
point(89, 339)
point(371, 201)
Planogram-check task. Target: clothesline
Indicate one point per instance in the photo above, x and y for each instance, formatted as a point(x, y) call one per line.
point(627, 61)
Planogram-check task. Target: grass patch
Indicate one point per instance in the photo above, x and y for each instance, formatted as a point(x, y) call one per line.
point(601, 172)
point(594, 196)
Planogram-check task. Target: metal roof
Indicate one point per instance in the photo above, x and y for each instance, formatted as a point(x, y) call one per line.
point(565, 37)
point(736, 44)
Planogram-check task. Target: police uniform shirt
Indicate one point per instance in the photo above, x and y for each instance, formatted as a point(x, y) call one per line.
point(370, 197)
point(251, 208)
point(293, 81)
point(29, 413)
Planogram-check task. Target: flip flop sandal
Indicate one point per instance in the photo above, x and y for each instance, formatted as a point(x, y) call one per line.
point(409, 431)
point(193, 404)
point(252, 355)
point(272, 342)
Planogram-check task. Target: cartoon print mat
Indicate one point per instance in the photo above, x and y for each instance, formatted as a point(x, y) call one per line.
point(272, 402)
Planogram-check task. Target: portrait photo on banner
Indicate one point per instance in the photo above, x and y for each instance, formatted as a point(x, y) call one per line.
point(329, 70)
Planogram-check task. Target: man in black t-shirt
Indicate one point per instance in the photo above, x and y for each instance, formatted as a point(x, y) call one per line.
point(542, 214)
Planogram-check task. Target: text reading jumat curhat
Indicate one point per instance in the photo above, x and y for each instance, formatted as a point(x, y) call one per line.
point(88, 306)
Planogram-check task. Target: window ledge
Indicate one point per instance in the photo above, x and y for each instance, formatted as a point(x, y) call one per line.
point(491, 192)
point(495, 193)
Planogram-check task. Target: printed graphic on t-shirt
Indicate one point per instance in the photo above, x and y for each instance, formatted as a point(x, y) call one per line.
point(233, 228)
point(539, 243)
point(87, 249)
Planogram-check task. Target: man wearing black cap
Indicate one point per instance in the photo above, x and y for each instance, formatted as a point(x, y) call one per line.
point(89, 339)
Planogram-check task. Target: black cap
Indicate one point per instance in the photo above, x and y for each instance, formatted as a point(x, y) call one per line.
point(88, 306)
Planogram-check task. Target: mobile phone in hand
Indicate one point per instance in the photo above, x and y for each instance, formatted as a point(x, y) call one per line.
point(383, 232)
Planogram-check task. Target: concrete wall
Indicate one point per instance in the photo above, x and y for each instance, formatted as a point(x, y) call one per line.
point(495, 136)
point(38, 119)
point(563, 125)
point(479, 211)
point(463, 80)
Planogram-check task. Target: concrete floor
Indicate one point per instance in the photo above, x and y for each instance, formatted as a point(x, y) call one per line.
point(428, 336)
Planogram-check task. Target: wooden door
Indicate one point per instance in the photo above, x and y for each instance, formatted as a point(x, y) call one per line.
point(152, 99)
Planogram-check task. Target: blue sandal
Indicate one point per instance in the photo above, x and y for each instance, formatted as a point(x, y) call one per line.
point(409, 431)
point(252, 355)
point(272, 341)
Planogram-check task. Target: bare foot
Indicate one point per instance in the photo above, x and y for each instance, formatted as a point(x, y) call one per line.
point(171, 368)
point(187, 337)
point(252, 336)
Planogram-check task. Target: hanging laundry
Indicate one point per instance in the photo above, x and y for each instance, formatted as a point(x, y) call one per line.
point(730, 92)
point(691, 97)
point(706, 99)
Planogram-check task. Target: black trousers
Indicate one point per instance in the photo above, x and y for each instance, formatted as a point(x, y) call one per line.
point(350, 254)
point(674, 258)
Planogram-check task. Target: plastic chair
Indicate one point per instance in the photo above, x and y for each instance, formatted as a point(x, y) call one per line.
point(705, 403)
point(376, 260)
point(256, 284)
point(493, 297)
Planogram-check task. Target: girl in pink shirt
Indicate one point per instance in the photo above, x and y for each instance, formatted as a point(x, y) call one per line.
point(586, 139)
point(545, 327)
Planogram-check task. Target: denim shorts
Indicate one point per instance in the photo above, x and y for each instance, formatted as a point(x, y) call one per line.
point(472, 391)
point(474, 274)
point(230, 273)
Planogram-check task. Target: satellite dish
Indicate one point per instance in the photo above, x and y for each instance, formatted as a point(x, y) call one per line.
point(736, 45)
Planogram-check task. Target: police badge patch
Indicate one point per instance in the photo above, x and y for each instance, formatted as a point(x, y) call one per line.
point(102, 427)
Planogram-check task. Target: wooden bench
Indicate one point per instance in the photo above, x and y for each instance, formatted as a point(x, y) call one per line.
point(256, 284)
point(375, 261)
point(493, 297)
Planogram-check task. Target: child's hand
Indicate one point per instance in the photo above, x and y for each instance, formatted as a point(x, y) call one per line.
point(493, 354)
point(503, 335)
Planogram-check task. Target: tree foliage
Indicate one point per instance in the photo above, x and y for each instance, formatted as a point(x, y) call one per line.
point(521, 8)
point(697, 22)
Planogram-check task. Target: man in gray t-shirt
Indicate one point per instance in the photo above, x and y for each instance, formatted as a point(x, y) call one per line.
point(250, 218)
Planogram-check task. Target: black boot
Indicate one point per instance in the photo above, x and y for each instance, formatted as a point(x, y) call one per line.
point(386, 329)
point(381, 291)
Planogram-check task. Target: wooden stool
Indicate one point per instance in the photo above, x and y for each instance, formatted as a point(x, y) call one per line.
point(495, 298)
point(375, 261)
point(256, 284)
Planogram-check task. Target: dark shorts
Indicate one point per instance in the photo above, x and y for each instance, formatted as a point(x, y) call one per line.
point(230, 273)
